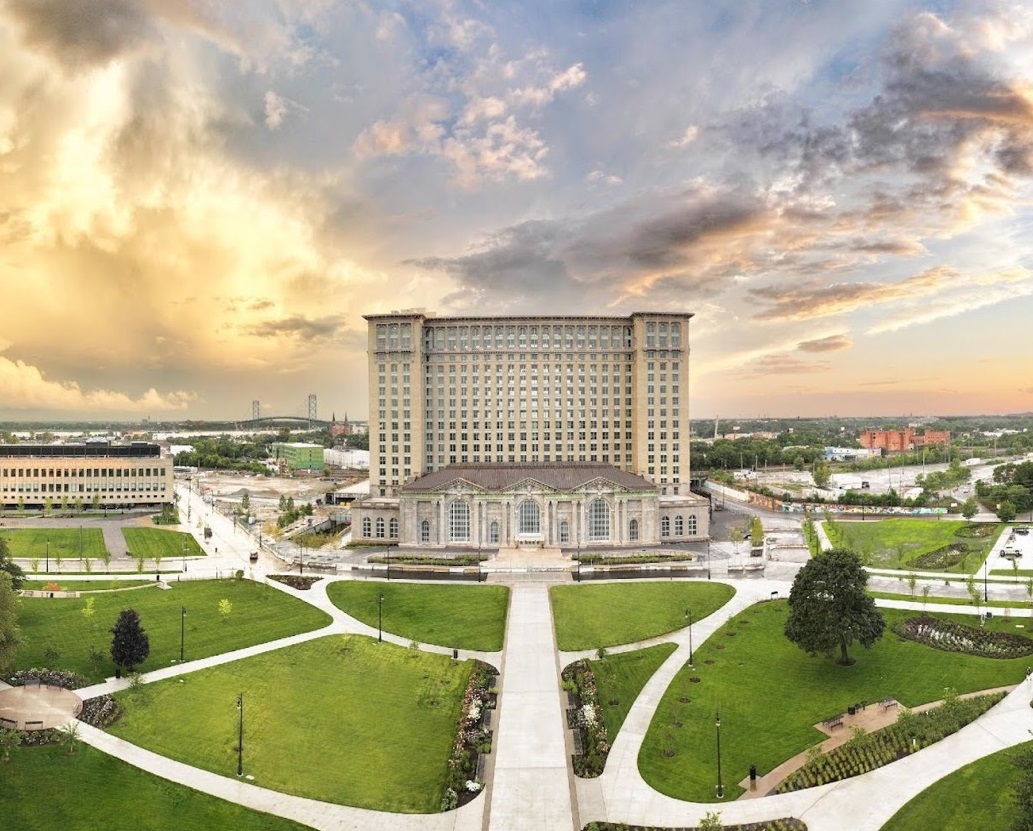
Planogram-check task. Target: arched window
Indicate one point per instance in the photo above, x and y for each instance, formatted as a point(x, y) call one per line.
point(564, 531)
point(459, 522)
point(425, 531)
point(393, 528)
point(529, 518)
point(598, 520)
point(493, 531)
point(380, 528)
point(367, 527)
point(679, 526)
point(665, 526)
point(692, 526)
point(633, 530)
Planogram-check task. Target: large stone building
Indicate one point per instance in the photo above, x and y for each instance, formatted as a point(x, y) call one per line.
point(34, 476)
point(902, 441)
point(555, 431)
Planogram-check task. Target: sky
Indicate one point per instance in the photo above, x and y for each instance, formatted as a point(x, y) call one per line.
point(199, 199)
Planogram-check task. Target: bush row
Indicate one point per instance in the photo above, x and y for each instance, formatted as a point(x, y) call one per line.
point(586, 719)
point(473, 737)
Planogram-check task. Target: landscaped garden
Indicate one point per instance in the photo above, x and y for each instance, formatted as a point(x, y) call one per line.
point(46, 788)
point(947, 545)
point(604, 690)
point(978, 795)
point(462, 617)
point(64, 544)
point(73, 634)
point(83, 585)
point(591, 616)
point(157, 544)
point(748, 666)
point(340, 719)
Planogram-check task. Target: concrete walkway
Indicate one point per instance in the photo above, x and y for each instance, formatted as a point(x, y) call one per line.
point(531, 787)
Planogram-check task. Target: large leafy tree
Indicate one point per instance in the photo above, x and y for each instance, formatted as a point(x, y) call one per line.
point(130, 645)
point(10, 566)
point(828, 606)
point(8, 621)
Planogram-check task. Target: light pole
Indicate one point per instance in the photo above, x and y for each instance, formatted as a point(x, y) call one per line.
point(380, 618)
point(986, 599)
point(182, 632)
point(301, 562)
point(80, 543)
point(48, 555)
point(720, 786)
point(708, 558)
point(184, 554)
point(240, 735)
point(688, 616)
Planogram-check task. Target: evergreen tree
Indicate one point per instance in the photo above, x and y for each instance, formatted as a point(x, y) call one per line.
point(130, 645)
point(10, 566)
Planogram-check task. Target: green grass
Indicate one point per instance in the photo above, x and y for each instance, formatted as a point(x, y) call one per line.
point(1022, 572)
point(978, 795)
point(588, 616)
point(84, 585)
point(620, 678)
point(45, 788)
point(899, 543)
point(31, 543)
point(160, 542)
point(340, 719)
point(950, 601)
point(770, 693)
point(259, 614)
point(463, 617)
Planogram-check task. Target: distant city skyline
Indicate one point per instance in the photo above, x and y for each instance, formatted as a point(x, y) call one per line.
point(198, 202)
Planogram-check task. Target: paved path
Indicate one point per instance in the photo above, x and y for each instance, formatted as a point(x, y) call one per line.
point(531, 788)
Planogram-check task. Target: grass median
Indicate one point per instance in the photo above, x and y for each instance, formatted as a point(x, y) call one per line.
point(157, 544)
point(63, 544)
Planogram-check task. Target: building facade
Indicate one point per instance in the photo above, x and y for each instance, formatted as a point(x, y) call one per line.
point(563, 392)
point(297, 455)
point(35, 476)
point(902, 441)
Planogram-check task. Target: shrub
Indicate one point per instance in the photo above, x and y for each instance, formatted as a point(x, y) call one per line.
point(957, 637)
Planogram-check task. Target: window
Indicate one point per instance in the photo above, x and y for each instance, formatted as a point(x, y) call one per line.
point(493, 532)
point(529, 518)
point(598, 520)
point(692, 526)
point(425, 531)
point(393, 529)
point(459, 522)
point(564, 531)
point(679, 529)
point(367, 527)
point(665, 526)
point(380, 528)
point(633, 530)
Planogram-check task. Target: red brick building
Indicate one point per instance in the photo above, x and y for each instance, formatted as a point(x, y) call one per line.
point(900, 441)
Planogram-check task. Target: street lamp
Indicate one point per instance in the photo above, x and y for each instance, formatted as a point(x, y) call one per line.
point(48, 555)
point(380, 618)
point(301, 562)
point(688, 616)
point(184, 553)
point(80, 543)
point(720, 786)
point(182, 632)
point(708, 558)
point(986, 599)
point(240, 735)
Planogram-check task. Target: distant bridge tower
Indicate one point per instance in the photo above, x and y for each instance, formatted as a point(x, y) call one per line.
point(256, 410)
point(311, 410)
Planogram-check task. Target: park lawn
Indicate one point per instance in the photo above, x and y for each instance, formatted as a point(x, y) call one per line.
point(978, 795)
point(462, 617)
point(339, 719)
point(619, 678)
point(259, 614)
point(31, 544)
point(771, 693)
point(900, 543)
point(156, 544)
point(950, 601)
point(45, 788)
point(588, 616)
point(84, 585)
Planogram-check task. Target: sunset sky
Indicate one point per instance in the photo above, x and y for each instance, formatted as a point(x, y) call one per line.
point(200, 198)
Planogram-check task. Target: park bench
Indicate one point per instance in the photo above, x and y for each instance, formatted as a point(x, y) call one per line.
point(888, 704)
point(834, 722)
point(579, 746)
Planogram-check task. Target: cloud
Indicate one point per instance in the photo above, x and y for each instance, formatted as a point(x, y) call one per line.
point(23, 386)
point(782, 365)
point(301, 328)
point(688, 137)
point(832, 343)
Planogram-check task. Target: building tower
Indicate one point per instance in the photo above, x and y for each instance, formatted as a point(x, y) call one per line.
point(311, 409)
point(256, 410)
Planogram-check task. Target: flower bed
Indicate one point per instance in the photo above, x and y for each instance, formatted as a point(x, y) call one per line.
point(429, 560)
point(957, 637)
point(102, 711)
point(296, 581)
point(976, 530)
point(783, 824)
point(473, 738)
point(942, 558)
point(49, 677)
point(867, 751)
point(586, 719)
point(631, 559)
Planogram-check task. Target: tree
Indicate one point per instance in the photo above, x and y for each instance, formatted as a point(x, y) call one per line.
point(829, 608)
point(9, 739)
point(245, 504)
point(225, 608)
point(970, 508)
point(710, 822)
point(10, 566)
point(822, 474)
point(9, 639)
point(1006, 511)
point(130, 645)
point(912, 581)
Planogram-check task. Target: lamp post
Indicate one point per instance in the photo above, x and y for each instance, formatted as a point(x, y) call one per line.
point(708, 558)
point(688, 616)
point(80, 543)
point(720, 786)
point(48, 555)
point(380, 618)
point(986, 598)
point(184, 554)
point(301, 562)
point(240, 735)
point(182, 632)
